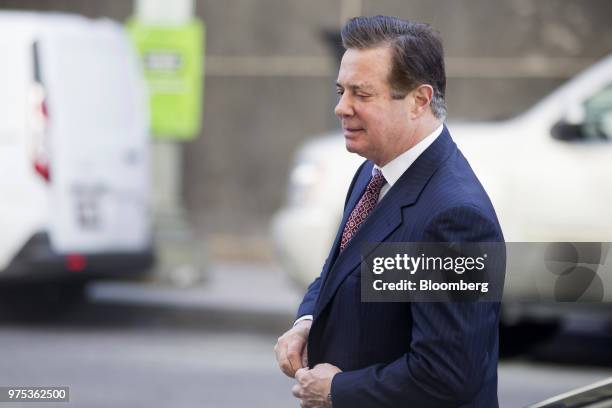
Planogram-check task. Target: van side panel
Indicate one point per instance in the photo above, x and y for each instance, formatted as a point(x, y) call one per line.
point(98, 130)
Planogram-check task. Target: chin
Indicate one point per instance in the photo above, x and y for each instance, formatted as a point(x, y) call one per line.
point(349, 146)
point(352, 147)
point(352, 144)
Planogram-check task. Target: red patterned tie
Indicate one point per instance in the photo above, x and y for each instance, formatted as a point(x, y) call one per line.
point(363, 208)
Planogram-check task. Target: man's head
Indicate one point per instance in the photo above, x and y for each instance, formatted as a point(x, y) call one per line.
point(392, 85)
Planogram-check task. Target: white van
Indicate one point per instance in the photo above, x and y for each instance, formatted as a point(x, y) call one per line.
point(74, 161)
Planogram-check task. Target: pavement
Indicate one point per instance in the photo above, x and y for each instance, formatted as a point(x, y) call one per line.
point(211, 345)
point(233, 291)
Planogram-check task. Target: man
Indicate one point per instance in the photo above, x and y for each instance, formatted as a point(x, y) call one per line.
point(415, 186)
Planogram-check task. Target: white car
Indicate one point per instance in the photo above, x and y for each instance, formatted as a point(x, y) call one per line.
point(548, 173)
point(596, 395)
point(74, 160)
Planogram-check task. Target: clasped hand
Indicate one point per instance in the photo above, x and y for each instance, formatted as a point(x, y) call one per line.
point(313, 385)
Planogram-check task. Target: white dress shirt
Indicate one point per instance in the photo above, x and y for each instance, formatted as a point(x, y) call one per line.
point(393, 170)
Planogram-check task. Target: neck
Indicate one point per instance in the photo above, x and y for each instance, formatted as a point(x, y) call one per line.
point(422, 129)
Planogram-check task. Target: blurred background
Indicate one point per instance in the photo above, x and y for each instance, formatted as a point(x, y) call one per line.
point(269, 75)
point(197, 328)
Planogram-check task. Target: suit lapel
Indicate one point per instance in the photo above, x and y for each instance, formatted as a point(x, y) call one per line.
point(360, 185)
point(386, 217)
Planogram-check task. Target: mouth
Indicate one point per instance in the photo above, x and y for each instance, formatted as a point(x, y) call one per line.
point(349, 131)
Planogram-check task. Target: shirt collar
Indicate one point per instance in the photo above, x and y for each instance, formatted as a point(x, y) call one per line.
point(393, 170)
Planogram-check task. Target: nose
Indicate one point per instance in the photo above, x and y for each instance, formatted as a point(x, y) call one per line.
point(344, 107)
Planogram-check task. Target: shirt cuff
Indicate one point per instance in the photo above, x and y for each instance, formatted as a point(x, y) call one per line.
point(301, 318)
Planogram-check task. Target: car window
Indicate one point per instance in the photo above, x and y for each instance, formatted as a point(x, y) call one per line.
point(598, 116)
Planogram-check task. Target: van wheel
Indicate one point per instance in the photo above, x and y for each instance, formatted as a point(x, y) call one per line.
point(37, 302)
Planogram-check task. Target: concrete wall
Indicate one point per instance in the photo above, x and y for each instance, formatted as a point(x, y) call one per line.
point(270, 75)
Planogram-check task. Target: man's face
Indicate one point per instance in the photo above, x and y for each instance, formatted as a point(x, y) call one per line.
point(374, 125)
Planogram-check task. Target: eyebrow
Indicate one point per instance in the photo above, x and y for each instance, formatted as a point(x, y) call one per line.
point(357, 87)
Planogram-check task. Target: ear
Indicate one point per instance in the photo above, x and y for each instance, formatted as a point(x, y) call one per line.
point(421, 97)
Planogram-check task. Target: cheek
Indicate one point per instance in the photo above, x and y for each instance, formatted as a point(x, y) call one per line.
point(394, 123)
point(378, 127)
point(374, 119)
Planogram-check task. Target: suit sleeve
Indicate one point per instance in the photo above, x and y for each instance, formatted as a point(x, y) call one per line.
point(451, 346)
point(312, 293)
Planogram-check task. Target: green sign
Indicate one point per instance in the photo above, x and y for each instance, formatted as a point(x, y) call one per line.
point(172, 59)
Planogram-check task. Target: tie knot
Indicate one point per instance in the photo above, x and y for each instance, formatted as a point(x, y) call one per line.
point(378, 180)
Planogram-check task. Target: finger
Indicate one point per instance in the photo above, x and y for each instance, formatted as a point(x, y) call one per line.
point(293, 367)
point(286, 368)
point(294, 354)
point(278, 349)
point(281, 344)
point(283, 361)
point(296, 390)
point(300, 374)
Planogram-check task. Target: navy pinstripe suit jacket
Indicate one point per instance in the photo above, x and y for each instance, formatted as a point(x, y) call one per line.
point(409, 354)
